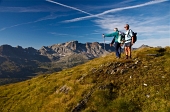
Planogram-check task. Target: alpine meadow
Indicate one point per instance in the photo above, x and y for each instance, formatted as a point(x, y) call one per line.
point(103, 84)
point(84, 55)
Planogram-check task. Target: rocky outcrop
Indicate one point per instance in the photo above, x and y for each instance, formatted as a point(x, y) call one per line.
point(144, 46)
point(90, 50)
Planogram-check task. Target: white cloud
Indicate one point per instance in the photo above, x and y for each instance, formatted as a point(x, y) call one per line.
point(148, 25)
point(153, 42)
point(64, 35)
point(149, 29)
point(58, 34)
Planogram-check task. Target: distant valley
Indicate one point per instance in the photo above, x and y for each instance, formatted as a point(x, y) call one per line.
point(17, 63)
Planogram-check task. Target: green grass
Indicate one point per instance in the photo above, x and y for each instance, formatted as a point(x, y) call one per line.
point(103, 84)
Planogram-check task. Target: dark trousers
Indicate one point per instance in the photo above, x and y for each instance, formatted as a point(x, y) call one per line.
point(118, 49)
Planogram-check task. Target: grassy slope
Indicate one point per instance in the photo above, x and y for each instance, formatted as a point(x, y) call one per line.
point(102, 85)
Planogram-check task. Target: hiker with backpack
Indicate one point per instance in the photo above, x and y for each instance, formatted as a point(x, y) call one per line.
point(130, 38)
point(116, 40)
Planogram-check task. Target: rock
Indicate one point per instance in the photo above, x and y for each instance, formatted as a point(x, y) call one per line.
point(133, 67)
point(152, 54)
point(81, 78)
point(147, 96)
point(136, 62)
point(114, 71)
point(93, 70)
point(109, 86)
point(81, 105)
point(120, 64)
point(118, 69)
point(145, 84)
point(136, 59)
point(63, 89)
point(122, 71)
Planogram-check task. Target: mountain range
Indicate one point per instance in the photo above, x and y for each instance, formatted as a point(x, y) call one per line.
point(17, 63)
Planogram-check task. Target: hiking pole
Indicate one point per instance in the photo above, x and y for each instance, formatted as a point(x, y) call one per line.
point(104, 41)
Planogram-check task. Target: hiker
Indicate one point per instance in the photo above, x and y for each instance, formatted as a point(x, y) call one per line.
point(128, 41)
point(116, 40)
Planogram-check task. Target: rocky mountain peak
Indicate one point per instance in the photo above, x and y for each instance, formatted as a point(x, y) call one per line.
point(90, 50)
point(143, 46)
point(6, 50)
point(5, 47)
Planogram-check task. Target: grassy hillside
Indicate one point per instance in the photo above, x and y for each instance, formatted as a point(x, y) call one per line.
point(104, 84)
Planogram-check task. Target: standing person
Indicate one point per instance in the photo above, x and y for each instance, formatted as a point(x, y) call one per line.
point(128, 41)
point(116, 41)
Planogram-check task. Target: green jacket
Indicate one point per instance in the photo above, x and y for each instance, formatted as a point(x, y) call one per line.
point(116, 36)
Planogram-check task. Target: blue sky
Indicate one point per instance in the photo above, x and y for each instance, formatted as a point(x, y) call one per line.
point(37, 23)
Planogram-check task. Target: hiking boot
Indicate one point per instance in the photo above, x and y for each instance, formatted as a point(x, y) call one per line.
point(126, 57)
point(130, 57)
point(117, 57)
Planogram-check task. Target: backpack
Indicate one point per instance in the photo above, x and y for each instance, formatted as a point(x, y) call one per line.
point(121, 37)
point(134, 36)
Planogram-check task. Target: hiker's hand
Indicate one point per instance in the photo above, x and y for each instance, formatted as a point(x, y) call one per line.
point(121, 44)
point(103, 35)
point(132, 43)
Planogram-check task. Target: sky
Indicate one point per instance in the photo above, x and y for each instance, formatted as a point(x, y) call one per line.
point(37, 23)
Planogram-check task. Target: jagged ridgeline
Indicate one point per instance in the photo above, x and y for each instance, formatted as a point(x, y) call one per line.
point(104, 84)
point(17, 63)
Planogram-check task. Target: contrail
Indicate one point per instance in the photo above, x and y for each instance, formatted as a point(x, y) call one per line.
point(69, 7)
point(116, 10)
point(15, 26)
point(39, 20)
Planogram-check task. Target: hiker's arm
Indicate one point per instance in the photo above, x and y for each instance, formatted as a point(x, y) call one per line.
point(132, 40)
point(113, 40)
point(132, 37)
point(130, 33)
point(110, 35)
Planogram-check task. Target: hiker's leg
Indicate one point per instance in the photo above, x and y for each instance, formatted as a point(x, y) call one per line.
point(119, 50)
point(129, 52)
point(116, 49)
point(126, 52)
point(127, 49)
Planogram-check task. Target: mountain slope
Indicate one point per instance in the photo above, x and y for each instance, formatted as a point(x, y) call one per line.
point(103, 84)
